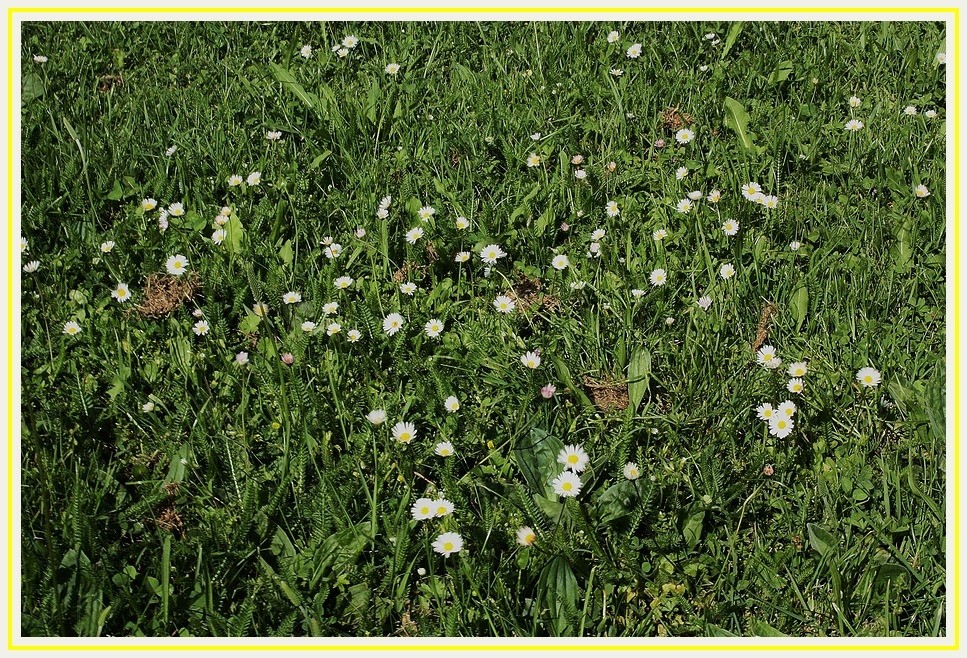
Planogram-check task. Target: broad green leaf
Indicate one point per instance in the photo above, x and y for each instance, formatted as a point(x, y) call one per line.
point(617, 501)
point(888, 571)
point(32, 86)
point(799, 305)
point(292, 85)
point(737, 120)
point(165, 576)
point(762, 629)
point(249, 324)
point(639, 376)
point(194, 221)
point(551, 508)
point(176, 468)
point(734, 30)
point(903, 248)
point(524, 205)
point(235, 234)
point(115, 193)
point(536, 456)
point(565, 376)
point(782, 72)
point(319, 159)
point(285, 253)
point(821, 540)
point(559, 586)
point(340, 551)
point(692, 527)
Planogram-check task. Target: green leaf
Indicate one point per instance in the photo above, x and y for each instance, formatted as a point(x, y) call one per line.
point(762, 629)
point(617, 501)
point(32, 87)
point(165, 576)
point(292, 85)
point(319, 159)
point(737, 120)
point(692, 527)
point(285, 253)
point(234, 234)
point(194, 221)
point(782, 72)
point(249, 324)
point(821, 540)
point(536, 456)
point(734, 30)
point(524, 206)
point(903, 248)
point(565, 376)
point(115, 193)
point(639, 376)
point(560, 589)
point(337, 553)
point(799, 305)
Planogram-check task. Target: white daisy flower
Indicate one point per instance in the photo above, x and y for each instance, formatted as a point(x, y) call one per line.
point(611, 209)
point(376, 416)
point(433, 328)
point(526, 536)
point(491, 253)
point(72, 328)
point(448, 543)
point(444, 449)
point(567, 484)
point(392, 323)
point(658, 277)
point(201, 328)
point(631, 471)
point(414, 234)
point(404, 432)
point(392, 68)
point(560, 262)
point(504, 304)
point(573, 458)
point(868, 377)
point(685, 135)
point(451, 404)
point(291, 297)
point(176, 265)
point(530, 360)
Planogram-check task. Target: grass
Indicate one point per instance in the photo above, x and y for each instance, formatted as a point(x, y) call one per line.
point(169, 490)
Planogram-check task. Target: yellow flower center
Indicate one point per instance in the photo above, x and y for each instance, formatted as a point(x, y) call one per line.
point(405, 436)
point(424, 510)
point(448, 547)
point(566, 486)
point(441, 510)
point(572, 459)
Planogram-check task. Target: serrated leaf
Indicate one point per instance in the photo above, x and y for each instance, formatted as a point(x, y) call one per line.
point(822, 541)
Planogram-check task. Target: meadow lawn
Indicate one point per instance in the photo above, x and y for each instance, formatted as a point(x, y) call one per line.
point(483, 328)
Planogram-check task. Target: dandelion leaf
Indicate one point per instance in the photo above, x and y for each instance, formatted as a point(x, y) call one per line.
point(737, 120)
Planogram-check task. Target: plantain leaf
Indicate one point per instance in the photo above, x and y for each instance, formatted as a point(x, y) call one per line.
point(822, 541)
point(537, 459)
